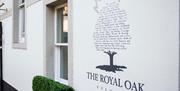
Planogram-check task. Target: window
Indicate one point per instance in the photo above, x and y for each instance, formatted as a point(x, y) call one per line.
point(61, 43)
point(21, 21)
point(19, 33)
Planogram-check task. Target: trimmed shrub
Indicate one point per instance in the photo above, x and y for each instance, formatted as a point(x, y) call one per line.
point(41, 83)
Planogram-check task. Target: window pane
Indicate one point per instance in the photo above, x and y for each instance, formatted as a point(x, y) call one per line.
point(62, 26)
point(64, 62)
point(21, 33)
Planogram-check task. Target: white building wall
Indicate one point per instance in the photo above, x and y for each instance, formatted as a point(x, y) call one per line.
point(151, 59)
point(7, 5)
point(21, 65)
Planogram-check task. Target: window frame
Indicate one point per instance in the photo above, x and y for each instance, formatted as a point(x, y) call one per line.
point(17, 31)
point(58, 49)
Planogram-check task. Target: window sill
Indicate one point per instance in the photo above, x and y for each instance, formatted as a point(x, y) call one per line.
point(19, 46)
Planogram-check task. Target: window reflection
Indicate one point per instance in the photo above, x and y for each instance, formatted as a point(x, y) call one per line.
point(62, 27)
point(64, 62)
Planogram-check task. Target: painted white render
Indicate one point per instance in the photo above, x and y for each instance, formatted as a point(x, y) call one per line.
point(151, 59)
point(7, 5)
point(21, 65)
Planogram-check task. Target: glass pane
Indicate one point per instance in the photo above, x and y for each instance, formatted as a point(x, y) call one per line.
point(62, 25)
point(21, 33)
point(23, 23)
point(64, 62)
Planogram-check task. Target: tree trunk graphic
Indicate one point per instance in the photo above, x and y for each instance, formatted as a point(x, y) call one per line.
point(111, 55)
point(111, 67)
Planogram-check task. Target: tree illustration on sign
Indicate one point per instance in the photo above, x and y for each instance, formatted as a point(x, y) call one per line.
point(112, 32)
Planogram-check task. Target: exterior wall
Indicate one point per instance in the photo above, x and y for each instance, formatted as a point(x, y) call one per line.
point(21, 65)
point(30, 2)
point(152, 58)
point(8, 4)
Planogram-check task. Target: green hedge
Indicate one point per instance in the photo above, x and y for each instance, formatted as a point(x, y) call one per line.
point(41, 83)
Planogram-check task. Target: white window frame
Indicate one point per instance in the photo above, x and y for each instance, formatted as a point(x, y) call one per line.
point(19, 18)
point(57, 49)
